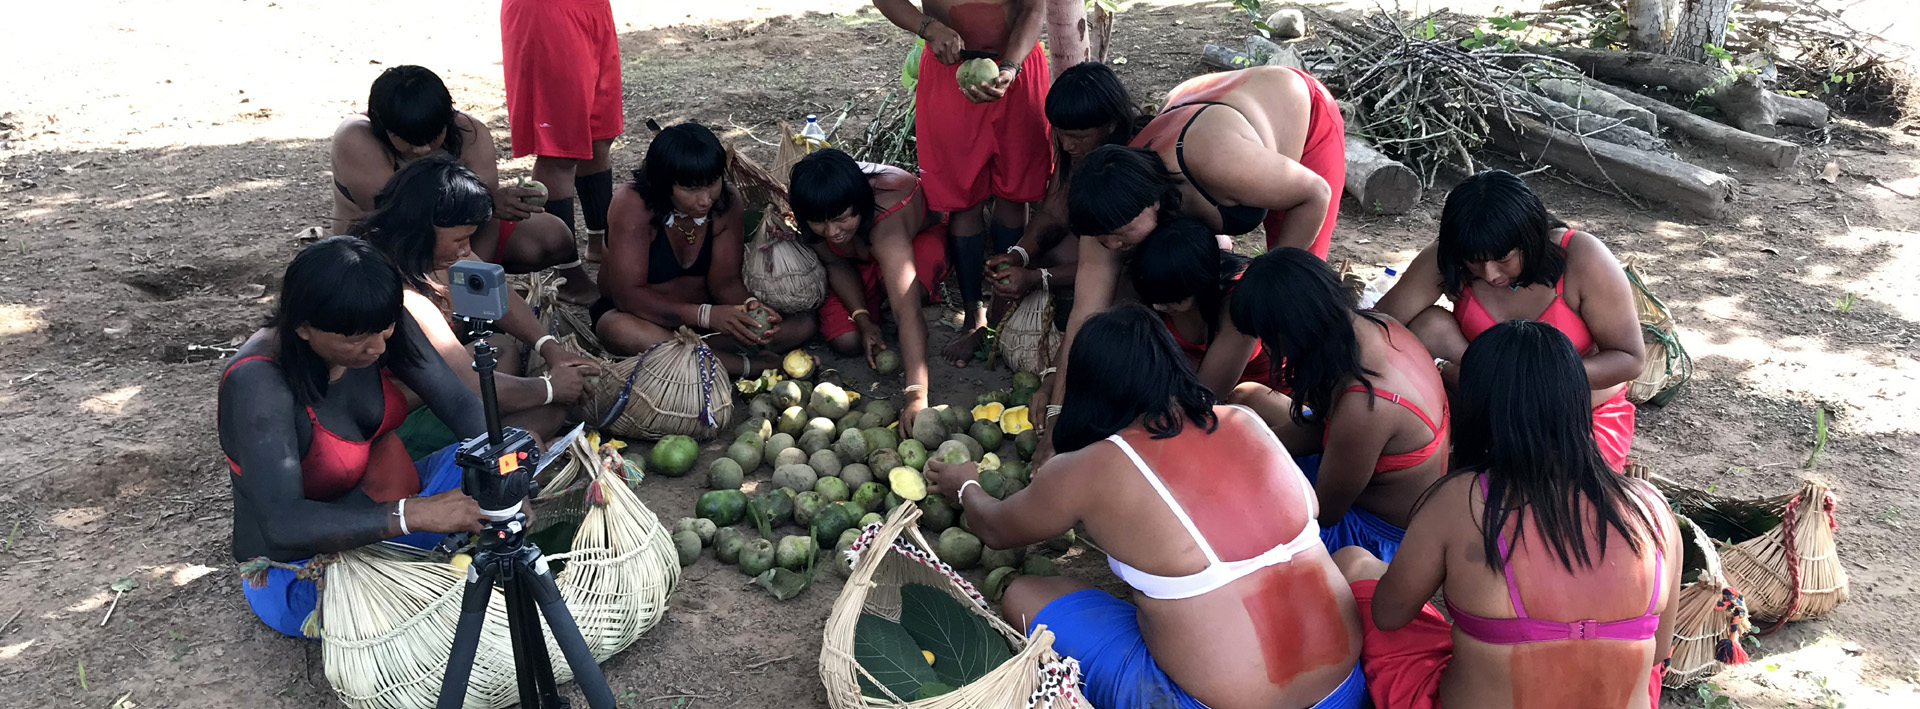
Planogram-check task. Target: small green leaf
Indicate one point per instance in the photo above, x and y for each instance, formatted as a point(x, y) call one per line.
point(124, 584)
point(886, 651)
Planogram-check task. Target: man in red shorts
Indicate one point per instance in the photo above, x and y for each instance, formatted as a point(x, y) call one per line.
point(979, 143)
point(562, 61)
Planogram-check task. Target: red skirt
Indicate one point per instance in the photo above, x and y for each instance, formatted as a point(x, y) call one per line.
point(971, 151)
point(562, 64)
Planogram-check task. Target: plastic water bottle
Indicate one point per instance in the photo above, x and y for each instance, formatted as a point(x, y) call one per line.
point(1377, 288)
point(813, 135)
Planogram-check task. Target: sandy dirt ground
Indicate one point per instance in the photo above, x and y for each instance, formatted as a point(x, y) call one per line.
point(157, 161)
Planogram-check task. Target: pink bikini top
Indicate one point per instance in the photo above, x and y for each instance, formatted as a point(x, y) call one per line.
point(1474, 319)
point(1521, 629)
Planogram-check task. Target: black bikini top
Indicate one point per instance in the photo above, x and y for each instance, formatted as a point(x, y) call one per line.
point(1235, 220)
point(663, 265)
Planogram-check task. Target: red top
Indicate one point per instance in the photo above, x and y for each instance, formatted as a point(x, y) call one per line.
point(883, 214)
point(334, 465)
point(1258, 368)
point(1417, 363)
point(1474, 319)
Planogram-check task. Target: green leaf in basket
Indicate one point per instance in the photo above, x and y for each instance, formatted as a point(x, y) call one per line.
point(886, 651)
point(964, 646)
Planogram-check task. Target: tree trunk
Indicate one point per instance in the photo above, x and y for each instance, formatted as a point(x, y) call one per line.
point(1739, 144)
point(1066, 34)
point(1379, 183)
point(1698, 23)
point(1739, 97)
point(1655, 177)
point(1099, 32)
point(1647, 25)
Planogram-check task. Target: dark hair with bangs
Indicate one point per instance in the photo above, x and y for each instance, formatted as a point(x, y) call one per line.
point(1089, 95)
point(433, 192)
point(411, 102)
point(1525, 420)
point(683, 155)
point(1113, 184)
point(1182, 259)
point(825, 184)
point(341, 285)
point(1490, 215)
point(1128, 344)
point(1294, 303)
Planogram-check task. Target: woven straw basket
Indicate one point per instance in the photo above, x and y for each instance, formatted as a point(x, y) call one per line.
point(1036, 676)
point(558, 319)
point(1026, 337)
point(389, 612)
point(1668, 365)
point(676, 387)
point(1793, 571)
point(1711, 617)
point(781, 271)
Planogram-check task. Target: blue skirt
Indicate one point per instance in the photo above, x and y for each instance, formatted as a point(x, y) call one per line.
point(1358, 528)
point(285, 602)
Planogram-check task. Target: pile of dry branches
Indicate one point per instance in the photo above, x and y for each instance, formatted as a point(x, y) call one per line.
point(888, 139)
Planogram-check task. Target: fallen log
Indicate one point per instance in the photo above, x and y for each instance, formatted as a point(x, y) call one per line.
point(1379, 183)
point(1581, 95)
point(1738, 144)
point(1656, 177)
point(1612, 130)
point(1738, 96)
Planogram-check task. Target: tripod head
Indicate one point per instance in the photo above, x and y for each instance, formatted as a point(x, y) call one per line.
point(499, 465)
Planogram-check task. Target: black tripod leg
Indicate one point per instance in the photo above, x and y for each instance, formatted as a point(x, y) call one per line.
point(466, 637)
point(586, 672)
point(532, 666)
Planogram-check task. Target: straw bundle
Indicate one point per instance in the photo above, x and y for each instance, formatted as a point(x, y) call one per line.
point(1668, 365)
point(1710, 619)
point(781, 271)
point(1036, 676)
point(557, 318)
point(674, 387)
point(389, 611)
point(1792, 572)
point(1026, 336)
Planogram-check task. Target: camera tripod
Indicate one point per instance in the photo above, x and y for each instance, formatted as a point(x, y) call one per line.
point(498, 474)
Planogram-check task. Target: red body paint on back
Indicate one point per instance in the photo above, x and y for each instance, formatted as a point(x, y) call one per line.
point(1242, 491)
point(1298, 623)
point(981, 25)
point(1584, 673)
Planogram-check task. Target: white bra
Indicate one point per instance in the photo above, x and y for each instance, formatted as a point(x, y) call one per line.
point(1217, 573)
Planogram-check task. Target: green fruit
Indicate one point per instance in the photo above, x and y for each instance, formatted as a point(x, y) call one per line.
point(808, 505)
point(913, 454)
point(745, 456)
point(987, 433)
point(847, 537)
point(825, 463)
point(907, 483)
point(887, 363)
point(724, 507)
point(764, 407)
point(856, 474)
point(893, 501)
point(828, 400)
point(1039, 566)
point(976, 72)
point(993, 482)
point(788, 393)
point(756, 557)
point(869, 496)
point(771, 452)
point(1061, 543)
point(841, 564)
point(884, 410)
point(687, 545)
point(794, 553)
point(1025, 380)
point(880, 438)
point(928, 429)
point(974, 449)
point(534, 200)
point(762, 318)
point(852, 445)
point(1026, 443)
point(833, 489)
point(705, 529)
point(1016, 470)
point(822, 424)
point(997, 396)
point(871, 518)
point(1002, 558)
point(793, 421)
point(673, 456)
point(849, 422)
point(935, 514)
point(684, 524)
point(869, 420)
point(831, 521)
point(727, 543)
point(997, 583)
point(776, 506)
point(884, 459)
point(796, 477)
point(790, 456)
point(950, 452)
point(954, 419)
point(757, 427)
point(724, 474)
point(959, 549)
point(1014, 486)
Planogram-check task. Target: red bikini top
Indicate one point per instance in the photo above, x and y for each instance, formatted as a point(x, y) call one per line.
point(1414, 360)
point(1474, 318)
point(334, 465)
point(1258, 369)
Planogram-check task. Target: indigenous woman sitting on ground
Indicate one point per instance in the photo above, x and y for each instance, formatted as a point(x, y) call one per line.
point(675, 239)
point(410, 115)
point(1560, 576)
point(1368, 412)
point(1184, 274)
point(308, 412)
point(424, 221)
point(1236, 602)
point(1502, 256)
point(882, 247)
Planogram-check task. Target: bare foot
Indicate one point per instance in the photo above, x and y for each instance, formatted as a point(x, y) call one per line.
point(960, 352)
point(579, 288)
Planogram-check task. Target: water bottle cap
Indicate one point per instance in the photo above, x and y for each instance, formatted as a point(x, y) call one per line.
point(811, 118)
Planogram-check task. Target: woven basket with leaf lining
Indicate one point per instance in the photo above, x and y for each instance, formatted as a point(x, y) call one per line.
point(390, 611)
point(1778, 551)
point(1036, 676)
point(1668, 365)
point(1026, 336)
point(674, 387)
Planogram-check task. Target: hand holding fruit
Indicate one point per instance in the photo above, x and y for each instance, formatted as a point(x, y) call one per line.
point(871, 341)
point(945, 43)
point(991, 91)
point(947, 478)
point(558, 356)
point(916, 402)
point(1013, 282)
point(738, 323)
point(446, 513)
point(570, 381)
point(518, 201)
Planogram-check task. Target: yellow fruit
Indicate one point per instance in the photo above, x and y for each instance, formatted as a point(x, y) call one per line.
point(798, 364)
point(989, 461)
point(907, 483)
point(461, 561)
point(990, 411)
point(1014, 421)
point(927, 654)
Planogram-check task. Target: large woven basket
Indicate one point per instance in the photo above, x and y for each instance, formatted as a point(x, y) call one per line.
point(1036, 676)
point(1668, 365)
point(1710, 618)
point(676, 387)
point(781, 271)
point(1026, 336)
point(1793, 571)
point(389, 611)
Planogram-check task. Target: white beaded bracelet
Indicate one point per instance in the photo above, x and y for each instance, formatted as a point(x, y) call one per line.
point(542, 342)
point(706, 312)
point(1024, 259)
point(963, 489)
point(401, 512)
point(547, 379)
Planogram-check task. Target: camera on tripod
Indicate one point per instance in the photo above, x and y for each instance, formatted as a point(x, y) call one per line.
point(499, 467)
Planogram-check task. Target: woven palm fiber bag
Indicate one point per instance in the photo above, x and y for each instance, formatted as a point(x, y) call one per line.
point(779, 270)
point(895, 567)
point(1668, 366)
point(1711, 617)
point(1778, 551)
point(676, 387)
point(1026, 336)
point(388, 612)
point(558, 319)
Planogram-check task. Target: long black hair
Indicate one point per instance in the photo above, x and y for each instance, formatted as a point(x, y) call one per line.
point(1124, 367)
point(413, 103)
point(341, 285)
point(1113, 184)
point(436, 191)
point(1490, 215)
point(1182, 259)
point(684, 155)
point(1526, 420)
point(1294, 303)
point(1089, 95)
point(825, 184)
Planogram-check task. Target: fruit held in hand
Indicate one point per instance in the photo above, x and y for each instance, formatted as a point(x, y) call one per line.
point(527, 183)
point(976, 72)
point(887, 363)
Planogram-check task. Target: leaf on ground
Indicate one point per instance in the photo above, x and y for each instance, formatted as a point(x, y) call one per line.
point(886, 651)
point(783, 584)
point(124, 584)
point(965, 647)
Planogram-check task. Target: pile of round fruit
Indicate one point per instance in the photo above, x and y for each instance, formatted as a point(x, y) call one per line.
point(836, 468)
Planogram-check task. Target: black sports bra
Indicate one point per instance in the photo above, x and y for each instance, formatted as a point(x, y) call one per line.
point(663, 265)
point(1235, 220)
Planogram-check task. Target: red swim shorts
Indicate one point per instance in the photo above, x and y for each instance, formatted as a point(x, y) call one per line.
point(930, 268)
point(562, 60)
point(1325, 153)
point(969, 151)
point(1613, 429)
